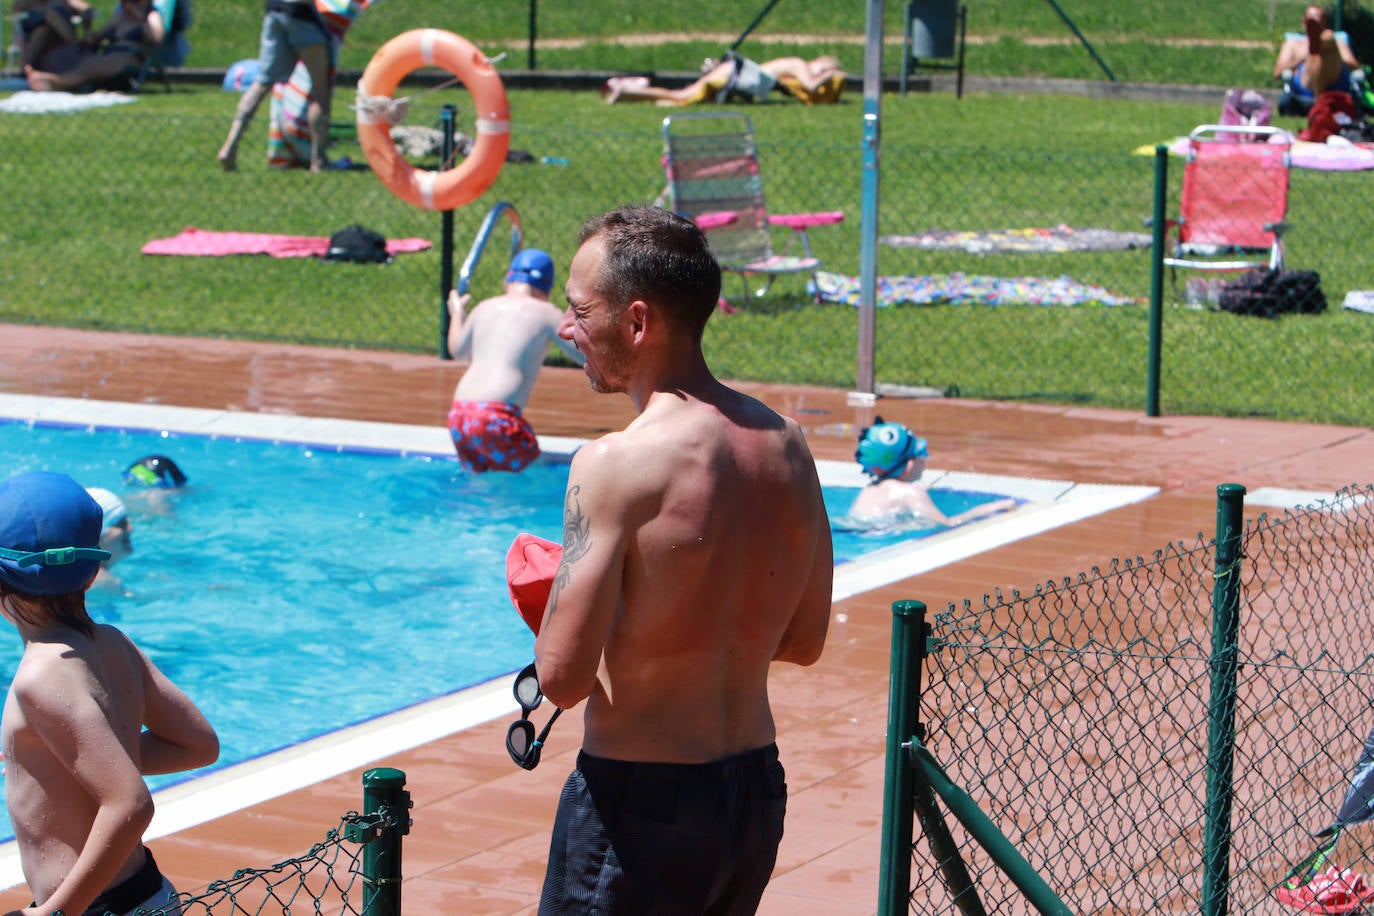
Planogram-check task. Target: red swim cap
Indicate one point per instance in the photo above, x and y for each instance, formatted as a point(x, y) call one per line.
point(530, 565)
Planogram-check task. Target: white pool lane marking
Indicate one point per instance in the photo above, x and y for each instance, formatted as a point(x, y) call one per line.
point(1047, 504)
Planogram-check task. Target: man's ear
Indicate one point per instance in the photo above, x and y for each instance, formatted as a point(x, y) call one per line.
point(639, 317)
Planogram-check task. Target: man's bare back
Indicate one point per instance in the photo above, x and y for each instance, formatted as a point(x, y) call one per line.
point(710, 586)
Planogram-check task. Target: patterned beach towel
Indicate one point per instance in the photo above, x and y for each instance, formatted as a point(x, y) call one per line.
point(193, 241)
point(962, 289)
point(1050, 239)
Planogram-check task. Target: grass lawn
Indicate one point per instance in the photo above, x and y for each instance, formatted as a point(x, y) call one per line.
point(94, 187)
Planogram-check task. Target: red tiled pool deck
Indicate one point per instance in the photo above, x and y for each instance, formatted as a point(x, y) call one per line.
point(481, 826)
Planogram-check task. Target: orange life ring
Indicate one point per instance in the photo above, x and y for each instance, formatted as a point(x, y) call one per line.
point(393, 62)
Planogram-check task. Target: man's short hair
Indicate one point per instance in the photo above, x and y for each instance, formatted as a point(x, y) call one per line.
point(657, 256)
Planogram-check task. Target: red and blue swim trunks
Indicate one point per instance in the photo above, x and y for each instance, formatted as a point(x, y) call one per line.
point(491, 436)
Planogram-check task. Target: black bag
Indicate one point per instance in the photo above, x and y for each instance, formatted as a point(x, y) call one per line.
point(1269, 293)
point(358, 245)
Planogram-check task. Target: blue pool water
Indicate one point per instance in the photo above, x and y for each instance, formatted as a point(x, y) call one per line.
point(294, 590)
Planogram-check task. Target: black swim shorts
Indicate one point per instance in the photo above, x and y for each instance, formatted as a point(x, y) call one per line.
point(666, 838)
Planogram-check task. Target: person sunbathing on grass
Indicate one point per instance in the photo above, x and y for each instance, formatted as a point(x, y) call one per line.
point(813, 81)
point(118, 49)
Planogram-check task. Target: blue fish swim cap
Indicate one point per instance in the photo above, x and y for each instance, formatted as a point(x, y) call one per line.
point(885, 448)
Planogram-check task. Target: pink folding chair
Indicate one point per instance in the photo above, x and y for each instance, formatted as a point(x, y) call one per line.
point(712, 165)
point(1234, 200)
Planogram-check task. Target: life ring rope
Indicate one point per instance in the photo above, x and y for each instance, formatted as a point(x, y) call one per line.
point(377, 112)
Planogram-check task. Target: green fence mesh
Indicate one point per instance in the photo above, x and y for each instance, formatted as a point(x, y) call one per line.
point(354, 871)
point(981, 296)
point(1077, 717)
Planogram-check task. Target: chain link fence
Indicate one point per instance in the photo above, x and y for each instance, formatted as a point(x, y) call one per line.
point(354, 871)
point(1167, 734)
point(1008, 273)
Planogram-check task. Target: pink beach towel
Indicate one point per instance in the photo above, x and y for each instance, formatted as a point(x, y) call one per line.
point(193, 241)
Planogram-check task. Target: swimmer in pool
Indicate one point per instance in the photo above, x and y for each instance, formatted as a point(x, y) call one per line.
point(115, 534)
point(155, 471)
point(895, 458)
point(504, 340)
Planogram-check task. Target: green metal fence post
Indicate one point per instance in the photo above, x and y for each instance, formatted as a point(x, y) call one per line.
point(981, 827)
point(904, 690)
point(384, 788)
point(1157, 227)
point(447, 145)
point(1221, 716)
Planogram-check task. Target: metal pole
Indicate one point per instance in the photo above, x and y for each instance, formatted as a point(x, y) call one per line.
point(447, 144)
point(1157, 227)
point(534, 29)
point(894, 858)
point(1221, 711)
point(753, 25)
point(1073, 28)
point(384, 788)
point(982, 829)
point(866, 378)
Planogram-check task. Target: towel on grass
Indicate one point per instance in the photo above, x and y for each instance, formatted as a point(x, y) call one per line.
point(29, 102)
point(1059, 238)
point(1341, 156)
point(193, 241)
point(959, 289)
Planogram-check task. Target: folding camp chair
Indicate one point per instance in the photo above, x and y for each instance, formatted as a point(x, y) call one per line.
point(172, 51)
point(712, 165)
point(1234, 200)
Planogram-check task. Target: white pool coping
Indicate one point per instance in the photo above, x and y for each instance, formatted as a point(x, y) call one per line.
point(1047, 504)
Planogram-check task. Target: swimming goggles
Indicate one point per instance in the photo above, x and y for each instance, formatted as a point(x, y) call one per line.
point(53, 556)
point(521, 742)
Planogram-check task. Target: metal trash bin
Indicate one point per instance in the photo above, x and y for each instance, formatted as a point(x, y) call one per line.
point(934, 26)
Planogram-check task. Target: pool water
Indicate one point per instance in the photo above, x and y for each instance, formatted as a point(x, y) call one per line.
point(293, 590)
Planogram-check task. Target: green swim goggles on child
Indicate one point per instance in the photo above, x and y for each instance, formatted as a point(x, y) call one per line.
point(53, 556)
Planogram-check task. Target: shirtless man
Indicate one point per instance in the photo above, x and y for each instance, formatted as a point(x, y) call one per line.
point(696, 552)
point(87, 715)
point(505, 340)
point(896, 458)
point(1317, 61)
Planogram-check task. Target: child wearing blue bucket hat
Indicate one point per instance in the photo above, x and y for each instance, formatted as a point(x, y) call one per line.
point(88, 714)
point(895, 458)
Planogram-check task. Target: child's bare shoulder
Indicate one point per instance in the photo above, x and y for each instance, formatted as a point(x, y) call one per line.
point(47, 668)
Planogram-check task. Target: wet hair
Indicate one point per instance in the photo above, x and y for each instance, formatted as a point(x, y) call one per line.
point(68, 610)
point(657, 256)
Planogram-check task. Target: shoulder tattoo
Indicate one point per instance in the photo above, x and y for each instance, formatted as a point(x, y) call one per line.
point(576, 542)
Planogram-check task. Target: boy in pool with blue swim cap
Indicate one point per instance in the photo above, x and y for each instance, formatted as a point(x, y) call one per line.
point(79, 805)
point(504, 339)
point(895, 458)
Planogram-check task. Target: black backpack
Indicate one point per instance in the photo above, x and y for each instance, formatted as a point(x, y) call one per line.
point(1269, 293)
point(358, 245)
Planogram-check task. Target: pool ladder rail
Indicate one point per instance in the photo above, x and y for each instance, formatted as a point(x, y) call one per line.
point(474, 256)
